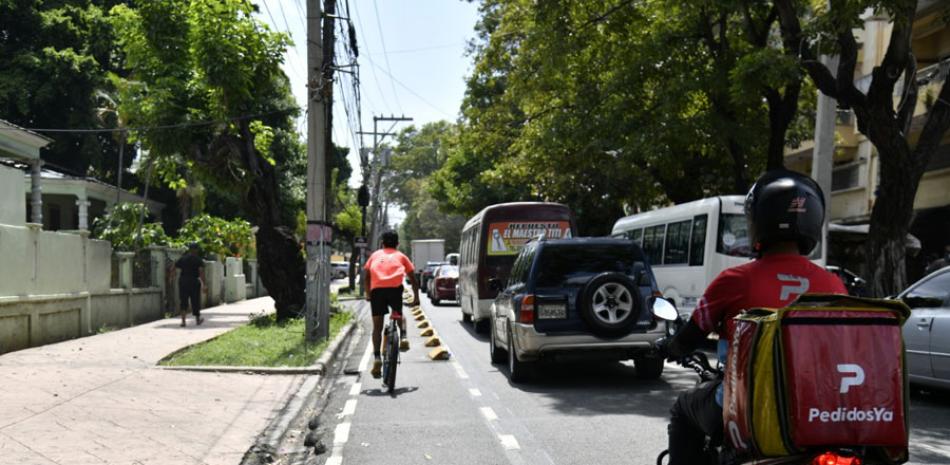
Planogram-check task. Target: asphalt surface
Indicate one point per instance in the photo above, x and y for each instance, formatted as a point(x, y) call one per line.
point(465, 410)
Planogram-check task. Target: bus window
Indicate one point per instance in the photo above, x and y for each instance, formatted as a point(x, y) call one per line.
point(677, 243)
point(635, 235)
point(734, 236)
point(653, 243)
point(697, 243)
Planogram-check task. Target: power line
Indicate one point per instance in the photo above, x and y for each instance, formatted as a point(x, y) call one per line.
point(382, 41)
point(366, 52)
point(397, 81)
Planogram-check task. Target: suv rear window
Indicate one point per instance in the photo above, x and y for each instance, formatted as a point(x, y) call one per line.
point(560, 262)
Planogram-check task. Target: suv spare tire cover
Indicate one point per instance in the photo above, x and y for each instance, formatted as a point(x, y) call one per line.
point(610, 303)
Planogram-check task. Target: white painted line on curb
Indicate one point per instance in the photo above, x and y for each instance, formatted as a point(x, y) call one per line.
point(488, 413)
point(342, 433)
point(459, 370)
point(475, 392)
point(366, 356)
point(349, 408)
point(509, 442)
point(355, 389)
point(334, 459)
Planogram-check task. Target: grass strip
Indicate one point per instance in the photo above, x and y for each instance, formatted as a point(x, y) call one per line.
point(263, 342)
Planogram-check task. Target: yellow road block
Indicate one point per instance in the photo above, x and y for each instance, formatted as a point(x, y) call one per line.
point(420, 317)
point(423, 324)
point(439, 353)
point(433, 342)
point(427, 332)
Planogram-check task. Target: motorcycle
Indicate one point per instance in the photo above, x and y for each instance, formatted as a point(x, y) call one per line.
point(716, 453)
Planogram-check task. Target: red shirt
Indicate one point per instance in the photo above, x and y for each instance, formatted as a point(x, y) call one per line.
point(772, 281)
point(387, 268)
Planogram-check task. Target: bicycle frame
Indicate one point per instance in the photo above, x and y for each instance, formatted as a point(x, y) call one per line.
point(390, 348)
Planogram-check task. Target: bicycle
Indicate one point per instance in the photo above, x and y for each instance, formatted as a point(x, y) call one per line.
point(390, 348)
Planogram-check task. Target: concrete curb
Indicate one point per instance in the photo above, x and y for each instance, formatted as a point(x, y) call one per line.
point(318, 368)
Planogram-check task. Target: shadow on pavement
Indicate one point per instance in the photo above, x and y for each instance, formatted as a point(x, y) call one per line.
point(384, 393)
point(470, 329)
point(604, 388)
point(930, 427)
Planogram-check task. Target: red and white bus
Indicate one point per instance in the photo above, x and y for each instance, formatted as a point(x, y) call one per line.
point(490, 242)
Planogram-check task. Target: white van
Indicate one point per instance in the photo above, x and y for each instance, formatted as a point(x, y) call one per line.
point(689, 244)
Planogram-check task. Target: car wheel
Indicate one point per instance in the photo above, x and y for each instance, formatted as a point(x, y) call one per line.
point(435, 301)
point(466, 317)
point(481, 326)
point(649, 367)
point(497, 355)
point(610, 304)
point(518, 371)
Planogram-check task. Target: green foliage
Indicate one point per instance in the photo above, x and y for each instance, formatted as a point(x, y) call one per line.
point(219, 236)
point(263, 342)
point(124, 228)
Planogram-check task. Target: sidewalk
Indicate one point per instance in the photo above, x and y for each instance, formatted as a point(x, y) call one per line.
point(99, 399)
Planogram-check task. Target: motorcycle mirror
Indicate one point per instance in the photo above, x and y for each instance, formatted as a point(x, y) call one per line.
point(664, 309)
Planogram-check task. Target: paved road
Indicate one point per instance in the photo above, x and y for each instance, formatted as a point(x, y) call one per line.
point(465, 411)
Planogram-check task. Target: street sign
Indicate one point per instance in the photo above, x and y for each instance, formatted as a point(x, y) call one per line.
point(360, 243)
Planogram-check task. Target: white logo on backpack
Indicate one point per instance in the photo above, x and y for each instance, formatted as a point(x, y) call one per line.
point(856, 379)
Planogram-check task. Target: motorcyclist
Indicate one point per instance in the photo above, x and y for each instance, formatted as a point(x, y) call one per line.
point(785, 211)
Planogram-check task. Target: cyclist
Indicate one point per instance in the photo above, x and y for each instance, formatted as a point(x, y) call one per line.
point(386, 269)
point(785, 211)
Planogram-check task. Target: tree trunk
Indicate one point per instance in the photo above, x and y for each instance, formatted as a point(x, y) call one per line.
point(282, 269)
point(354, 257)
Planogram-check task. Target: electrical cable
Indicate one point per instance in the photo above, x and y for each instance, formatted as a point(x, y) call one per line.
point(152, 128)
point(382, 41)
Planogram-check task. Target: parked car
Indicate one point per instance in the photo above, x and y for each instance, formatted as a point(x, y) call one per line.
point(339, 270)
point(426, 275)
point(855, 284)
point(927, 332)
point(443, 285)
point(569, 299)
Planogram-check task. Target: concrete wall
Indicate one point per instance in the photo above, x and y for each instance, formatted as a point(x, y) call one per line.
point(12, 196)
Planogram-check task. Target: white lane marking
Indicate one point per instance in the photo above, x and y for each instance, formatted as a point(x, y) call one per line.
point(488, 413)
point(459, 370)
point(366, 356)
point(334, 459)
point(509, 442)
point(355, 389)
point(341, 434)
point(475, 392)
point(349, 408)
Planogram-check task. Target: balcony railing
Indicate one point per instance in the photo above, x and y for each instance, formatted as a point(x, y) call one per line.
point(936, 72)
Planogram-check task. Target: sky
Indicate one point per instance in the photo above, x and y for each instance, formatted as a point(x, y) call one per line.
point(411, 57)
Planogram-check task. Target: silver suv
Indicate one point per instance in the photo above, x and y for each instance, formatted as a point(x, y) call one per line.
point(584, 298)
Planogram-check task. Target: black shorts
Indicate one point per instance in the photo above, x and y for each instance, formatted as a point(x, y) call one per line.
point(385, 298)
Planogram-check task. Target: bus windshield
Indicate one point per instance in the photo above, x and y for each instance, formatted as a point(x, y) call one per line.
point(734, 236)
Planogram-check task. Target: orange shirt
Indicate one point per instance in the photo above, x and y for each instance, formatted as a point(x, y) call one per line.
point(387, 268)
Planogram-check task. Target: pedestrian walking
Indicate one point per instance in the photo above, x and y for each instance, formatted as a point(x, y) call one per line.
point(190, 282)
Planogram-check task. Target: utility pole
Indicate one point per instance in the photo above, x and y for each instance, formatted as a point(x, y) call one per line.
point(822, 161)
point(319, 142)
point(379, 162)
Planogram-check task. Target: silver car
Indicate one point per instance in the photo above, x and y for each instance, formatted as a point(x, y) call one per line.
point(927, 332)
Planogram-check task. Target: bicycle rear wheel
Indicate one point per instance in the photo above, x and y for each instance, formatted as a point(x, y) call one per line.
point(392, 357)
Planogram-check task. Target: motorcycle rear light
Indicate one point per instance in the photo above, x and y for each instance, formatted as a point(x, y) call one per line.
point(831, 458)
point(526, 314)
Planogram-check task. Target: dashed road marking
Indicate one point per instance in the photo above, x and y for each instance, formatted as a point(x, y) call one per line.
point(459, 370)
point(366, 356)
point(509, 442)
point(349, 408)
point(355, 389)
point(342, 433)
point(475, 392)
point(488, 413)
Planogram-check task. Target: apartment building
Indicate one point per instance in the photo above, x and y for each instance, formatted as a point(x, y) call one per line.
point(856, 165)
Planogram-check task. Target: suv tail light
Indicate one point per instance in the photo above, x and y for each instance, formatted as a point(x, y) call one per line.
point(526, 313)
point(831, 458)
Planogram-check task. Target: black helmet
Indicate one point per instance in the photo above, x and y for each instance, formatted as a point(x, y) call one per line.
point(785, 206)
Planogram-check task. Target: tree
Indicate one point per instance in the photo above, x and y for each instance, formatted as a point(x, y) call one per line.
point(205, 83)
point(55, 57)
point(903, 161)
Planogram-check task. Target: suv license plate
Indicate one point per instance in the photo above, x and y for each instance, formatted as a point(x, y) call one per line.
point(552, 311)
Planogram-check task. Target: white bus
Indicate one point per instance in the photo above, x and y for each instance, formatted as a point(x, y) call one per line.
point(689, 244)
